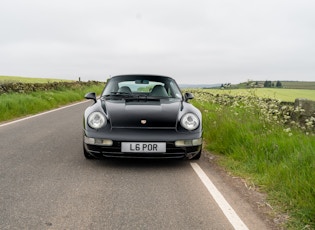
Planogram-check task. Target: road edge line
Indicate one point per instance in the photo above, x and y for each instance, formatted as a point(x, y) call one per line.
point(226, 208)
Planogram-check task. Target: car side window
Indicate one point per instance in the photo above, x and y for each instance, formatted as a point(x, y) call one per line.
point(175, 90)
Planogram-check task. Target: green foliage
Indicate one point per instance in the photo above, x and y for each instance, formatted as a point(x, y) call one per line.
point(267, 84)
point(256, 145)
point(14, 105)
point(279, 84)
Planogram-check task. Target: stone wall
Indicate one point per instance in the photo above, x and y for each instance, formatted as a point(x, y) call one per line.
point(304, 112)
point(18, 87)
point(308, 106)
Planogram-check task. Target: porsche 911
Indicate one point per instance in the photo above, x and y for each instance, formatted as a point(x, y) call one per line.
point(142, 116)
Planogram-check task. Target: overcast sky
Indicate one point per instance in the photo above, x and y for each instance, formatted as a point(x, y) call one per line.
point(200, 41)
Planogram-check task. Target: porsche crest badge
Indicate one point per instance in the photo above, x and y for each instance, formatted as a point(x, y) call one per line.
point(143, 122)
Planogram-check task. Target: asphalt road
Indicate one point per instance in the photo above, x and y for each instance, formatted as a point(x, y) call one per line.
point(46, 183)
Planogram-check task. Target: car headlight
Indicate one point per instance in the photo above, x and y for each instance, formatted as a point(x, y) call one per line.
point(189, 121)
point(96, 120)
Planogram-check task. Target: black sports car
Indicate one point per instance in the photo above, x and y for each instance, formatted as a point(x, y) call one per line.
point(143, 116)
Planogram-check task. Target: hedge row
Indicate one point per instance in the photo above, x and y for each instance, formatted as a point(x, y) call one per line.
point(18, 87)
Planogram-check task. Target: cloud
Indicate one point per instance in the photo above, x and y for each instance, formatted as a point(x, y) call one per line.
point(208, 41)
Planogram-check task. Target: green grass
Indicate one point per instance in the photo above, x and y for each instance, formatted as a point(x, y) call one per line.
point(16, 105)
point(280, 163)
point(6, 79)
point(288, 95)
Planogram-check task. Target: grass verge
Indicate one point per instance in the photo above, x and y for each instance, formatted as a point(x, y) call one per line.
point(281, 163)
point(14, 105)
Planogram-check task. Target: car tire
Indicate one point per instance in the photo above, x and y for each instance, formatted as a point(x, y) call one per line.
point(197, 156)
point(87, 155)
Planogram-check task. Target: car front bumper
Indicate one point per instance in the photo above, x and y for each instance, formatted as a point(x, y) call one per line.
point(178, 145)
point(172, 151)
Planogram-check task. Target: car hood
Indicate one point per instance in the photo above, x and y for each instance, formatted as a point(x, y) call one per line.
point(143, 114)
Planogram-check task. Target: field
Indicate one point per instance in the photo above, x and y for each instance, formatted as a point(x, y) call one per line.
point(6, 79)
point(298, 85)
point(288, 95)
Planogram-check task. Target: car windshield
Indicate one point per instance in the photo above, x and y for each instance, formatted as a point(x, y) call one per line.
point(142, 86)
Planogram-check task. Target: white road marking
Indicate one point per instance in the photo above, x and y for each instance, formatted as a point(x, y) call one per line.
point(228, 211)
point(40, 114)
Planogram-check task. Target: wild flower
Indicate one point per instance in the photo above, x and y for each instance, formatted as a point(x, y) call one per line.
point(267, 110)
point(309, 122)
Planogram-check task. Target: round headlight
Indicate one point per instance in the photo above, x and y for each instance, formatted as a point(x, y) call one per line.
point(96, 120)
point(189, 121)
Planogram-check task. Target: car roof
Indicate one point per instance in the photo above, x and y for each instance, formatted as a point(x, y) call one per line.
point(141, 76)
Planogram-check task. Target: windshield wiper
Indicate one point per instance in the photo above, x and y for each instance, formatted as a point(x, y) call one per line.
point(118, 94)
point(131, 97)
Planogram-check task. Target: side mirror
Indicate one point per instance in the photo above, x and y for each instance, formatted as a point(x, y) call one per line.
point(90, 96)
point(188, 96)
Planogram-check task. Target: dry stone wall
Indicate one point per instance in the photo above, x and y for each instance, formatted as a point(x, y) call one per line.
point(304, 112)
point(18, 87)
point(307, 106)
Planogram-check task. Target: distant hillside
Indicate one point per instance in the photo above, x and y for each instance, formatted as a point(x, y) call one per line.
point(298, 84)
point(285, 84)
point(203, 86)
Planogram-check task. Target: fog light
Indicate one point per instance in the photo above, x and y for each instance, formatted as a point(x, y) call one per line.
point(88, 140)
point(107, 142)
point(185, 143)
point(196, 142)
point(94, 141)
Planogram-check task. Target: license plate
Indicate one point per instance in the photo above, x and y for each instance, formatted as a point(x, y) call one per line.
point(143, 147)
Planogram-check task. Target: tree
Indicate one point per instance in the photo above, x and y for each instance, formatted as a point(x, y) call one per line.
point(267, 84)
point(279, 84)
